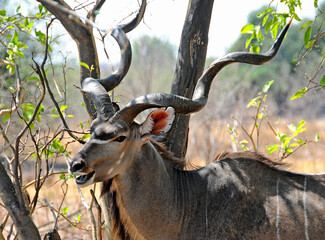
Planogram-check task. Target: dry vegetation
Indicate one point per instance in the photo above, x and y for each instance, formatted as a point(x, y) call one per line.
point(209, 138)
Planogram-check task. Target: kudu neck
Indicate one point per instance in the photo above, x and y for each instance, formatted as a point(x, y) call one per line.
point(154, 193)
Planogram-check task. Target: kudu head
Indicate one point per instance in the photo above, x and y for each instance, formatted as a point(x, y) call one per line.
point(115, 136)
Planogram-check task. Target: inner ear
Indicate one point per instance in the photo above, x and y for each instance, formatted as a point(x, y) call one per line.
point(158, 122)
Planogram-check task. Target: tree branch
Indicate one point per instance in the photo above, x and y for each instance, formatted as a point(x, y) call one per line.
point(17, 211)
point(93, 13)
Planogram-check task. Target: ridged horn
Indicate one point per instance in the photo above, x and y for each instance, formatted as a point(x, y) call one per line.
point(96, 89)
point(185, 105)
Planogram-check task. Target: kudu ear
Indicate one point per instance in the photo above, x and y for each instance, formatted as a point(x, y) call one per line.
point(158, 122)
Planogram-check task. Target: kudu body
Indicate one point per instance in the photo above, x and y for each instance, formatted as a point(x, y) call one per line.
point(240, 196)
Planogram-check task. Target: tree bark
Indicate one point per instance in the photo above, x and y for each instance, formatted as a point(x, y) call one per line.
point(19, 214)
point(189, 67)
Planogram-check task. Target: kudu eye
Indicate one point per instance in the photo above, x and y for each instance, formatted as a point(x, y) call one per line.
point(120, 139)
point(103, 137)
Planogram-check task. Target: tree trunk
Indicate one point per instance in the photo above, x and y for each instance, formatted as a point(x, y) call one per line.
point(19, 214)
point(189, 67)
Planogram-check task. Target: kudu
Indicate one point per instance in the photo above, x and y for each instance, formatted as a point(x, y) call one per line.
point(240, 196)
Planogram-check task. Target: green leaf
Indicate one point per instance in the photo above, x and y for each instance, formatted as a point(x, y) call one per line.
point(301, 124)
point(287, 141)
point(6, 117)
point(11, 68)
point(255, 49)
point(40, 8)
point(63, 107)
point(78, 218)
point(317, 137)
point(267, 86)
point(300, 93)
point(292, 128)
point(294, 145)
point(309, 44)
point(272, 148)
point(322, 81)
point(283, 137)
point(248, 28)
point(300, 142)
point(41, 36)
point(14, 39)
point(265, 19)
point(81, 125)
point(261, 115)
point(288, 150)
point(84, 65)
point(85, 136)
point(265, 12)
point(21, 45)
point(296, 17)
point(248, 41)
point(267, 26)
point(253, 102)
point(315, 3)
point(34, 78)
point(65, 210)
point(305, 24)
point(274, 30)
point(307, 35)
point(3, 12)
point(259, 33)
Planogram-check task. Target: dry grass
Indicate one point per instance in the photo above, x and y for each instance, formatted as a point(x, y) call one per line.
point(210, 138)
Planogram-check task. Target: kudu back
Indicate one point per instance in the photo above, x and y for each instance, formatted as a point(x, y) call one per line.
point(241, 196)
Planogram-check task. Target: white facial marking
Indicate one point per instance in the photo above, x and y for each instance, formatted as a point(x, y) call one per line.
point(305, 208)
point(277, 210)
point(99, 141)
point(111, 170)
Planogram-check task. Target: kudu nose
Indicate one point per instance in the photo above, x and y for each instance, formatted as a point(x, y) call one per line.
point(77, 165)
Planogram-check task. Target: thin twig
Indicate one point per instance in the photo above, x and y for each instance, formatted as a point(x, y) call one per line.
point(286, 155)
point(53, 212)
point(64, 196)
point(93, 13)
point(61, 219)
point(72, 13)
point(65, 218)
point(245, 131)
point(17, 141)
point(90, 214)
point(99, 214)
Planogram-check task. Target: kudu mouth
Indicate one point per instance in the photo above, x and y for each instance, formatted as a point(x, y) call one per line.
point(85, 179)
